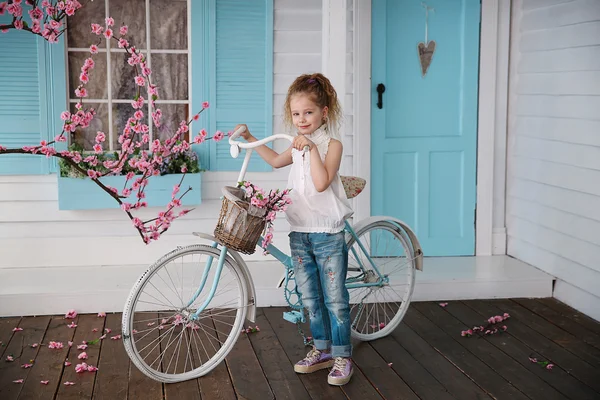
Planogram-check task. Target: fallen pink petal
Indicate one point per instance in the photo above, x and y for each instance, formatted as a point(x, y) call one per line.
point(82, 356)
point(26, 366)
point(549, 366)
point(67, 364)
point(18, 381)
point(390, 364)
point(101, 314)
point(70, 343)
point(151, 323)
point(79, 368)
point(82, 347)
point(107, 330)
point(72, 325)
point(17, 329)
point(71, 314)
point(95, 330)
point(533, 360)
point(44, 382)
point(91, 368)
point(10, 358)
point(67, 383)
point(117, 337)
point(443, 304)
point(35, 345)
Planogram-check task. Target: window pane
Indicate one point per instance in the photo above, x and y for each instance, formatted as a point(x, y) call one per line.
point(170, 73)
point(86, 137)
point(96, 87)
point(172, 116)
point(121, 112)
point(79, 31)
point(122, 82)
point(133, 14)
point(168, 20)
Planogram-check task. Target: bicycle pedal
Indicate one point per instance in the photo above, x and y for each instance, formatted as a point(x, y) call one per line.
point(295, 317)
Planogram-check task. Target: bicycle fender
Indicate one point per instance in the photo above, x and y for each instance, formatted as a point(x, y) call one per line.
point(251, 314)
point(404, 229)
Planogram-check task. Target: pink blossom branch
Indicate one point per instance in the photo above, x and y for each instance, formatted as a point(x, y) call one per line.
point(134, 136)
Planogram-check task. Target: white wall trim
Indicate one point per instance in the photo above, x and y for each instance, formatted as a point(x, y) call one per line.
point(334, 34)
point(492, 106)
point(362, 104)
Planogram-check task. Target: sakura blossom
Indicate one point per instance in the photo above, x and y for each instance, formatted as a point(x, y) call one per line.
point(55, 345)
point(71, 314)
point(101, 314)
point(82, 356)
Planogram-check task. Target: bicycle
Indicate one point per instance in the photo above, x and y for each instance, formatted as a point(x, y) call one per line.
point(171, 311)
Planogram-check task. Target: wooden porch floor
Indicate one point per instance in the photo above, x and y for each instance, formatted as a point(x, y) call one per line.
point(425, 358)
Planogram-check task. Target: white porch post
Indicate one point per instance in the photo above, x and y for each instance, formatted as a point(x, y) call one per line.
point(334, 45)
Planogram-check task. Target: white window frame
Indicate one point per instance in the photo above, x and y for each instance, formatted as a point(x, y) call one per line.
point(148, 51)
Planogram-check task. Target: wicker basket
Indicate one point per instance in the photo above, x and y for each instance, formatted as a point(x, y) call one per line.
point(240, 224)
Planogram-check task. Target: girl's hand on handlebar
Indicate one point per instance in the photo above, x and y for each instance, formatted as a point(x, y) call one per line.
point(300, 142)
point(246, 134)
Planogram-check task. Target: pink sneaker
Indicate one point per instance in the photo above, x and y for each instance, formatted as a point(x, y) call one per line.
point(314, 361)
point(341, 372)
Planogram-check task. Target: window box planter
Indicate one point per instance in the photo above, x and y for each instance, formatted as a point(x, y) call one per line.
point(83, 194)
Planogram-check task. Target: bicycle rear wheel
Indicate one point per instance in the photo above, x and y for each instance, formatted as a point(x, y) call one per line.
point(380, 279)
point(160, 333)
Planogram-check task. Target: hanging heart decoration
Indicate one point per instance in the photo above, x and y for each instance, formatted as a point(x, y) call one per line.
point(425, 55)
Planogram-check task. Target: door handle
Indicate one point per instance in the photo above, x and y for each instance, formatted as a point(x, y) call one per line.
point(380, 90)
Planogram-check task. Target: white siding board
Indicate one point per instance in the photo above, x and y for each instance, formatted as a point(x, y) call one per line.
point(576, 155)
point(584, 34)
point(560, 198)
point(562, 15)
point(295, 64)
point(298, 41)
point(583, 107)
point(533, 4)
point(561, 83)
point(295, 4)
point(553, 161)
point(570, 59)
point(297, 20)
point(568, 130)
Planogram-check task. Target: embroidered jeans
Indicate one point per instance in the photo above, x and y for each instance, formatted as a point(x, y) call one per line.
point(320, 266)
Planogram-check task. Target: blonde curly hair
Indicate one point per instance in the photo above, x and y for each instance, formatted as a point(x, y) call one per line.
point(322, 93)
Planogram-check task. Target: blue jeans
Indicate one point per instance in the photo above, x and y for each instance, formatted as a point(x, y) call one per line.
point(320, 265)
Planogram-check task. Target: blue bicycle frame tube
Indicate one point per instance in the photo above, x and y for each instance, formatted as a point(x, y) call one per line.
point(362, 247)
point(204, 277)
point(213, 289)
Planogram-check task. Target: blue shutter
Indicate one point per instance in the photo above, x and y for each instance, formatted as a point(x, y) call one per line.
point(33, 90)
point(236, 63)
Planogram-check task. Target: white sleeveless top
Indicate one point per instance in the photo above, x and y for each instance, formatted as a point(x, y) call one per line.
point(313, 211)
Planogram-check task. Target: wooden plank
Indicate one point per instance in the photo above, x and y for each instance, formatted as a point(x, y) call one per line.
point(572, 314)
point(6, 332)
point(559, 336)
point(380, 375)
point(140, 386)
point(84, 381)
point(487, 378)
point(410, 370)
point(558, 378)
point(49, 363)
point(20, 348)
point(558, 319)
point(511, 370)
point(543, 347)
point(315, 383)
point(249, 380)
point(458, 384)
point(173, 341)
point(113, 365)
point(279, 371)
point(217, 383)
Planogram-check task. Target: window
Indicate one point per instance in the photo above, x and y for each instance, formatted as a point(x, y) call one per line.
point(159, 29)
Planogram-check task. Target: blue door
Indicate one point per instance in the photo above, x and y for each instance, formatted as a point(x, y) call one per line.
point(424, 126)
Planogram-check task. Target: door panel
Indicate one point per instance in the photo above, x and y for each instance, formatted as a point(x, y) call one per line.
point(424, 137)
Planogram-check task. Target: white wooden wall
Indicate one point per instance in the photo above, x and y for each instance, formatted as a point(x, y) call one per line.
point(53, 260)
point(553, 177)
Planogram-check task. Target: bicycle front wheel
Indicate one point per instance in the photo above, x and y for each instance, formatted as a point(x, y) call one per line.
point(380, 279)
point(162, 335)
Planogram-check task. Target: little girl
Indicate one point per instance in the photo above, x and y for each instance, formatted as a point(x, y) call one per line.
point(316, 218)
